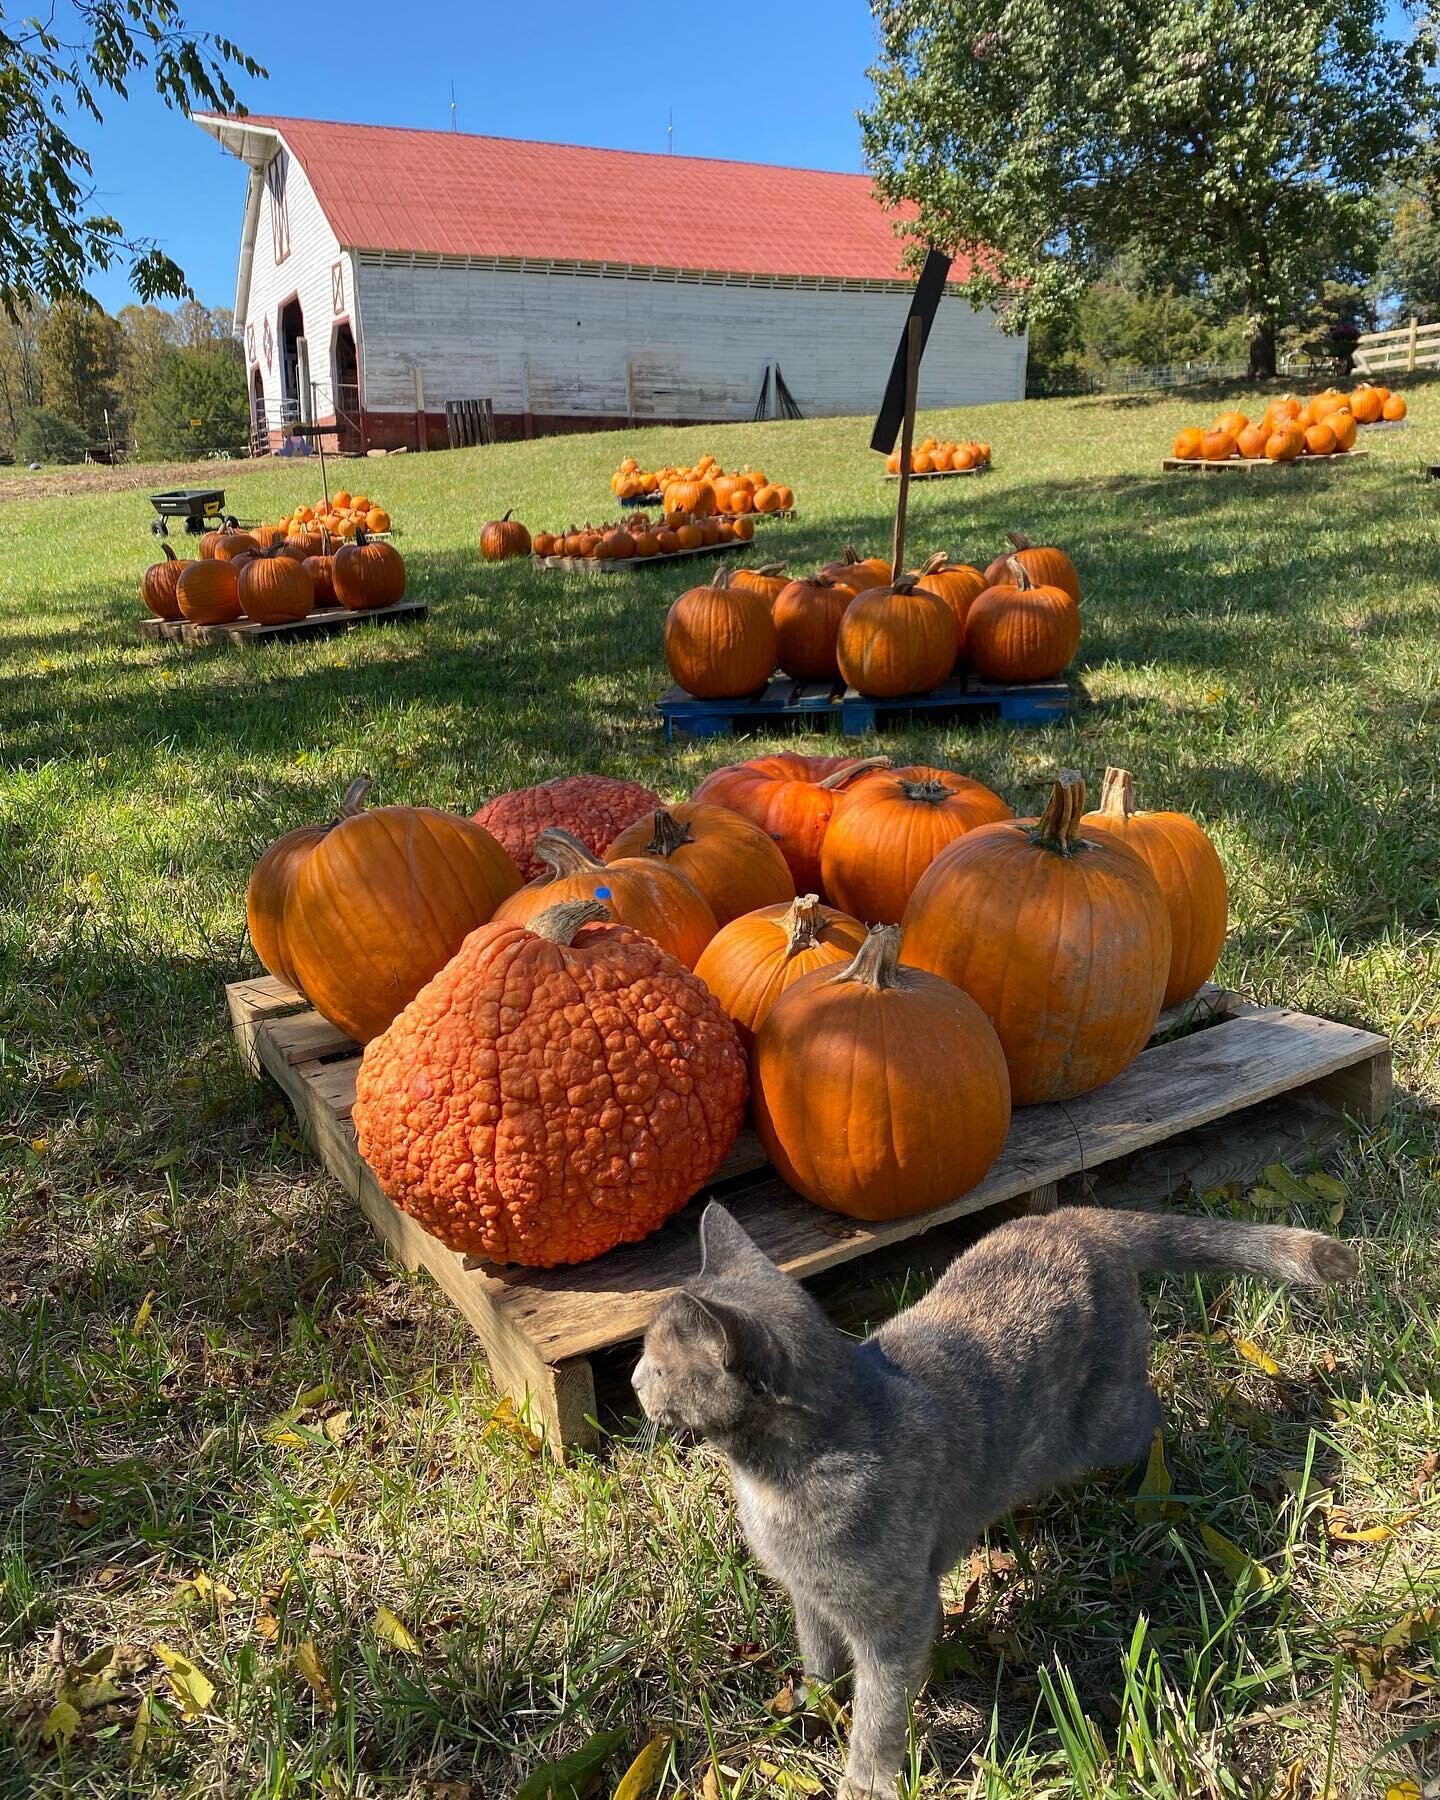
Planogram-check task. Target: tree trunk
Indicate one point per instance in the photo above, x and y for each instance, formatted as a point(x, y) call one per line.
point(1262, 347)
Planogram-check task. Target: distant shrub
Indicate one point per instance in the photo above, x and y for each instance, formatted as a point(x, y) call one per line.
point(45, 437)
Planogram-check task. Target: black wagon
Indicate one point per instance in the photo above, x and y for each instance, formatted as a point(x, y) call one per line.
point(201, 509)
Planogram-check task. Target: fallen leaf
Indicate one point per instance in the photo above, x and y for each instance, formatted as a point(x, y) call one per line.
point(505, 1422)
point(1412, 1628)
point(312, 1396)
point(266, 1627)
point(306, 1662)
point(142, 1314)
point(643, 1776)
point(569, 1778)
point(40, 1145)
point(1307, 1489)
point(389, 1630)
point(1327, 1187)
point(193, 1687)
point(81, 1510)
point(790, 1781)
point(91, 1691)
point(1341, 1528)
point(783, 1704)
point(1254, 1354)
point(1149, 1502)
point(1288, 1787)
point(1233, 1559)
point(60, 1723)
point(1429, 1468)
point(336, 1426)
point(1405, 1789)
point(1284, 1183)
point(201, 1587)
point(1266, 1198)
point(141, 1732)
point(710, 1784)
point(950, 1655)
point(112, 1575)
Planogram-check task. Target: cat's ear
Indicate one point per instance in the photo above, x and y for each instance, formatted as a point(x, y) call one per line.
point(724, 1245)
point(739, 1343)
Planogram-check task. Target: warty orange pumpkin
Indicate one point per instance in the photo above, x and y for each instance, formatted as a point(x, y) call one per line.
point(553, 1091)
point(751, 962)
point(896, 640)
point(880, 1091)
point(732, 862)
point(593, 808)
point(719, 639)
point(1061, 935)
point(384, 900)
point(791, 798)
point(647, 895)
point(1188, 871)
point(888, 828)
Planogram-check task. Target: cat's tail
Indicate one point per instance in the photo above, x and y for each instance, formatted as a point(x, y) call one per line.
point(1182, 1243)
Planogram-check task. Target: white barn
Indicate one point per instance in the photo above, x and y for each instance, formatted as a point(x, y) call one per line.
point(573, 288)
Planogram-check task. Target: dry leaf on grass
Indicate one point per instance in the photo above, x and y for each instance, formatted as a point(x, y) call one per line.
point(642, 1778)
point(61, 1723)
point(390, 1630)
point(140, 1733)
point(305, 1660)
point(1150, 1502)
point(1254, 1354)
point(193, 1687)
point(1233, 1559)
point(505, 1423)
point(142, 1314)
point(1341, 1528)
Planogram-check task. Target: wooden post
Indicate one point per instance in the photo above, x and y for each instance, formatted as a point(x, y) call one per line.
point(629, 390)
point(419, 409)
point(1414, 339)
point(527, 422)
point(913, 343)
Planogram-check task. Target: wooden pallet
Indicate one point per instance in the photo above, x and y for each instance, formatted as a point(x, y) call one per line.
point(1242, 1085)
point(818, 704)
point(589, 565)
point(1387, 425)
point(324, 622)
point(1242, 465)
point(945, 474)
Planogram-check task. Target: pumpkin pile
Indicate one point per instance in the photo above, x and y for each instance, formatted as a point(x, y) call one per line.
point(345, 515)
point(1326, 425)
point(941, 457)
point(274, 580)
point(1018, 620)
point(554, 1069)
point(638, 535)
point(704, 488)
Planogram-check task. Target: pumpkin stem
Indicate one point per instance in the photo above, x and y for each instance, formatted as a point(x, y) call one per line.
point(933, 793)
point(859, 767)
point(1058, 827)
point(764, 569)
point(353, 799)
point(1018, 539)
point(905, 584)
point(802, 924)
point(667, 834)
point(169, 553)
point(506, 514)
point(1020, 576)
point(934, 564)
point(1117, 795)
point(563, 853)
point(877, 960)
point(850, 554)
point(562, 924)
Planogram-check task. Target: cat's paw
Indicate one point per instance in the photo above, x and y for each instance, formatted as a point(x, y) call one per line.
point(873, 1787)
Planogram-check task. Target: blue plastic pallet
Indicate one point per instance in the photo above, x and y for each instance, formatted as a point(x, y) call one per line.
point(820, 703)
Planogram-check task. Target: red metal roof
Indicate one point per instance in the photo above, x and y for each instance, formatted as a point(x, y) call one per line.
point(453, 194)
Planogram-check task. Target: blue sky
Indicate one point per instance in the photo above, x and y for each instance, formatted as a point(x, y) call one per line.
point(777, 84)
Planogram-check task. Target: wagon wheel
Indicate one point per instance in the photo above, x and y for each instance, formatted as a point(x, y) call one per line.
point(230, 522)
point(157, 528)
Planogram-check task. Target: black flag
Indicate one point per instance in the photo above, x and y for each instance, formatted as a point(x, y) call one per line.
point(928, 290)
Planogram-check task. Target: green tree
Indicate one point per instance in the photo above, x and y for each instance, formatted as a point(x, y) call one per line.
point(1254, 136)
point(147, 335)
point(44, 437)
point(81, 54)
point(1410, 272)
point(195, 404)
point(79, 363)
point(21, 384)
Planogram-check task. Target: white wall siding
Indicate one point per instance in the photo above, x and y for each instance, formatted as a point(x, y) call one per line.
point(558, 342)
point(306, 271)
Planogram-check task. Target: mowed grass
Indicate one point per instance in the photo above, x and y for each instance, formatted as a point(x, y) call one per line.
point(229, 1429)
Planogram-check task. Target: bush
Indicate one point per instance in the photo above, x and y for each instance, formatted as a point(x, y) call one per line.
point(207, 386)
point(44, 437)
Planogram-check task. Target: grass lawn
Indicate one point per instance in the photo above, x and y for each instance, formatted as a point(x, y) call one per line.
point(231, 1432)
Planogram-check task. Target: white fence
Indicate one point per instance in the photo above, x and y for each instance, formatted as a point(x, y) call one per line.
point(1408, 347)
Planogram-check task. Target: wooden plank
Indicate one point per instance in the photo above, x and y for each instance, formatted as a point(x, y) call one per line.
point(944, 474)
point(322, 623)
point(589, 565)
point(1242, 465)
point(251, 1004)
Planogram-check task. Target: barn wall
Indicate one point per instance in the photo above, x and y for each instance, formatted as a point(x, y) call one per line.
point(556, 345)
point(309, 272)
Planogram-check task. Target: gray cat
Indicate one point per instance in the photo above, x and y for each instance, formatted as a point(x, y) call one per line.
point(863, 1471)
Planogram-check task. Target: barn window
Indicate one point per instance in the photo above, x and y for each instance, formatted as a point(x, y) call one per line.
point(279, 206)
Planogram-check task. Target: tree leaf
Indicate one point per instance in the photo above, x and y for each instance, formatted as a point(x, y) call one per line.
point(643, 1776)
point(389, 1630)
point(306, 1662)
point(1254, 1354)
point(140, 1735)
point(1285, 1184)
point(569, 1778)
point(1327, 1187)
point(142, 1314)
point(1149, 1501)
point(1341, 1528)
point(193, 1687)
point(1233, 1559)
point(505, 1422)
point(61, 1723)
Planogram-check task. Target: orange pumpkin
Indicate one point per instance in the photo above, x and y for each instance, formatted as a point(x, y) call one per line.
point(792, 799)
point(896, 640)
point(377, 519)
point(858, 572)
point(1319, 440)
point(273, 877)
point(751, 963)
point(1394, 409)
point(1062, 936)
point(1367, 403)
point(1282, 410)
point(959, 585)
point(554, 1091)
point(694, 497)
point(1044, 564)
point(1021, 630)
point(719, 639)
point(647, 895)
point(159, 582)
point(880, 1091)
point(321, 570)
point(274, 590)
point(208, 592)
point(384, 900)
point(500, 540)
point(1285, 442)
point(230, 544)
point(1231, 422)
point(768, 581)
point(1186, 447)
point(732, 862)
point(807, 618)
point(368, 575)
point(1342, 423)
point(1217, 446)
point(1188, 872)
point(889, 827)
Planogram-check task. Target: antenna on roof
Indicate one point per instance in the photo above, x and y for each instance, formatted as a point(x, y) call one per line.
point(453, 125)
point(670, 134)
